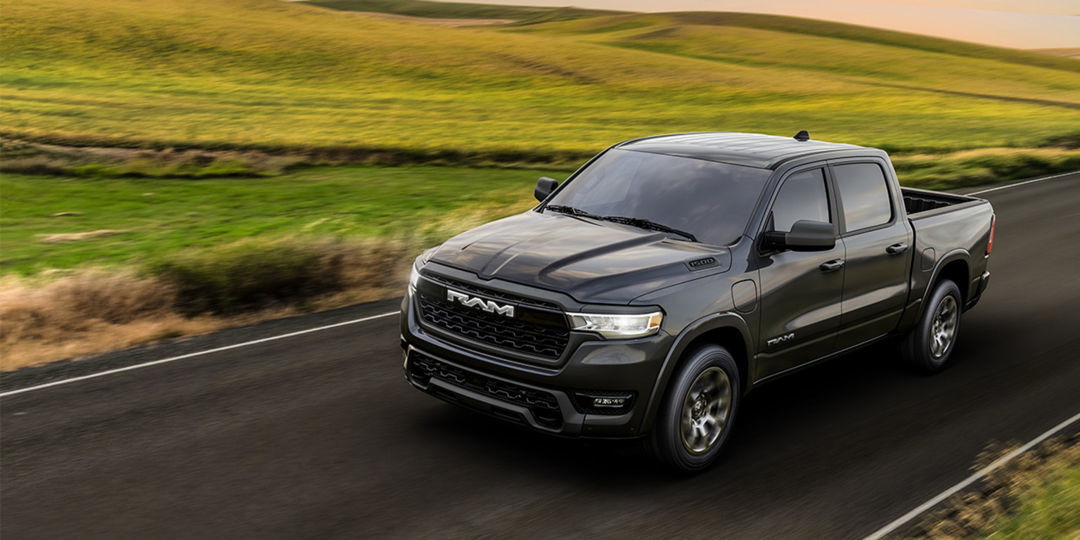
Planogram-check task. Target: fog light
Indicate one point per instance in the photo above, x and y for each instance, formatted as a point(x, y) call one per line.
point(604, 402)
point(609, 402)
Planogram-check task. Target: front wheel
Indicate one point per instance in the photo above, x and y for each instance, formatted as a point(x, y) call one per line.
point(695, 420)
point(929, 345)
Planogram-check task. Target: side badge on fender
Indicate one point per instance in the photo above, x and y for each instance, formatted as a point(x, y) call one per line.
point(778, 340)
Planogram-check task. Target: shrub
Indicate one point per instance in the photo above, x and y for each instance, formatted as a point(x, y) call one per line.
point(976, 167)
point(78, 301)
point(249, 275)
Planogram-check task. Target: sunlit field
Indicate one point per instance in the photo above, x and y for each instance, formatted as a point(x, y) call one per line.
point(269, 74)
point(150, 219)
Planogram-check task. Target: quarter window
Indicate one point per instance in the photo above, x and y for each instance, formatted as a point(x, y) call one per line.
point(864, 195)
point(802, 196)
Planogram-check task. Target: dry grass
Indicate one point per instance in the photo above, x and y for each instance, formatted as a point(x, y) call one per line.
point(81, 312)
point(1005, 492)
point(75, 237)
point(1069, 52)
point(985, 165)
point(18, 156)
point(440, 22)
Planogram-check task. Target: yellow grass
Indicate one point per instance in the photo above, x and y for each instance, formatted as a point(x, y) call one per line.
point(272, 74)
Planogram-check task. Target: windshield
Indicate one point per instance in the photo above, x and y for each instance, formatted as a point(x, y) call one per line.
point(711, 201)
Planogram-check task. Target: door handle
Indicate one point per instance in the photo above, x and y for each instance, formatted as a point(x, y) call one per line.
point(832, 266)
point(896, 249)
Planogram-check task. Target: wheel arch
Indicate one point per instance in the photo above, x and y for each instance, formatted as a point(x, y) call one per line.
point(954, 266)
point(725, 329)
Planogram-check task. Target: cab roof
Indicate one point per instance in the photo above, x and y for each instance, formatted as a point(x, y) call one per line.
point(747, 149)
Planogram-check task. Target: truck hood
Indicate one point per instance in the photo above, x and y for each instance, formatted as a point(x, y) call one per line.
point(591, 261)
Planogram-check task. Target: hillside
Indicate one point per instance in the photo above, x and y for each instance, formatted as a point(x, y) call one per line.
point(275, 75)
point(460, 10)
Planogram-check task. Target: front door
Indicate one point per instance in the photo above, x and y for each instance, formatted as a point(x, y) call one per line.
point(800, 290)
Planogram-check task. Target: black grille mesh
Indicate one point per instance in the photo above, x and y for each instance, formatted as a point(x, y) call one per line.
point(501, 331)
point(544, 406)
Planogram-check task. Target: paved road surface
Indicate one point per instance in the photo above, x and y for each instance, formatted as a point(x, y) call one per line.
point(318, 435)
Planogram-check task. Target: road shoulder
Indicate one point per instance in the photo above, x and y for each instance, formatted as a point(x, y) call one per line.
point(81, 367)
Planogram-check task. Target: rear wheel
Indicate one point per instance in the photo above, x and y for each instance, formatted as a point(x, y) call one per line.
point(695, 420)
point(929, 345)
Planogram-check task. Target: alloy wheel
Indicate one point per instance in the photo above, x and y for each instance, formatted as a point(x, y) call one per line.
point(705, 410)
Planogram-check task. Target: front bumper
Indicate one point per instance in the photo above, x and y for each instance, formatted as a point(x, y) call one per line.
point(549, 399)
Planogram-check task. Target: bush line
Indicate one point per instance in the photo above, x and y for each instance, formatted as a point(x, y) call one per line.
point(93, 310)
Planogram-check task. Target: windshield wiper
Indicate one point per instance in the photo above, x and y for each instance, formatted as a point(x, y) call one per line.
point(572, 211)
point(649, 224)
point(632, 221)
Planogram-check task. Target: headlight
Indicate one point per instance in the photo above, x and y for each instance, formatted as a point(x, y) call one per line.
point(414, 277)
point(617, 326)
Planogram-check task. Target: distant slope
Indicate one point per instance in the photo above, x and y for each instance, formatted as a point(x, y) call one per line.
point(531, 15)
point(459, 10)
point(812, 27)
point(275, 75)
point(1071, 53)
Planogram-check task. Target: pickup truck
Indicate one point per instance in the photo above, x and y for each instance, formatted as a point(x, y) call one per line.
point(670, 275)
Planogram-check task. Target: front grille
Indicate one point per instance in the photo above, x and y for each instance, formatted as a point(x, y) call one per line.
point(543, 405)
point(525, 333)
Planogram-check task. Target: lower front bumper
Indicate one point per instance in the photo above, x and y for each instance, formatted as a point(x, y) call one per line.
point(542, 409)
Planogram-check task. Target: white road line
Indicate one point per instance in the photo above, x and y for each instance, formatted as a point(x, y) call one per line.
point(891, 527)
point(194, 354)
point(1022, 183)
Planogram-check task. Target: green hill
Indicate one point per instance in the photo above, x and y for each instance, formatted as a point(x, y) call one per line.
point(276, 75)
point(460, 10)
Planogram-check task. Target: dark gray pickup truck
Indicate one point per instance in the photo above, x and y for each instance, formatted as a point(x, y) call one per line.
point(670, 275)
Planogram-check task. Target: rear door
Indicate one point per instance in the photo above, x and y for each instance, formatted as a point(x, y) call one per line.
point(878, 243)
point(800, 299)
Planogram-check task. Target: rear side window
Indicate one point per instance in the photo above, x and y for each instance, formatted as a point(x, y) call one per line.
point(864, 195)
point(802, 196)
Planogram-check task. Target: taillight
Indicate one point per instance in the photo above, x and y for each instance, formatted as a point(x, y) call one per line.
point(990, 244)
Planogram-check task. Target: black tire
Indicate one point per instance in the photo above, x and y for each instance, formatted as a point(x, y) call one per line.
point(920, 349)
point(666, 442)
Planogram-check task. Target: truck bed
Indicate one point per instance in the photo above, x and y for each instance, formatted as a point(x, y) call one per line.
point(945, 226)
point(917, 201)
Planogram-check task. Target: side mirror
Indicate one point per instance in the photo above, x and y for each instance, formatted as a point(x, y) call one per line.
point(544, 187)
point(805, 235)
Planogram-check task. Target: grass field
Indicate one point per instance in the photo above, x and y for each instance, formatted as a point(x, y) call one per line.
point(153, 218)
point(281, 75)
point(142, 219)
point(284, 78)
point(98, 263)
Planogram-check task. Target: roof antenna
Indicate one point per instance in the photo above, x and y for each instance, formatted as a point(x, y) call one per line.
point(802, 136)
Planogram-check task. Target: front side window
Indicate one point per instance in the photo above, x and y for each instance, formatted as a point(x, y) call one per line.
point(864, 195)
point(713, 201)
point(803, 196)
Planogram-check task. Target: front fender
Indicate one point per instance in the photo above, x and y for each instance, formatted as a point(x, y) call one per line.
point(683, 342)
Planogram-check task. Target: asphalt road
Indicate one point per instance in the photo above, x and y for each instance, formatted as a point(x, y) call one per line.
point(318, 435)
